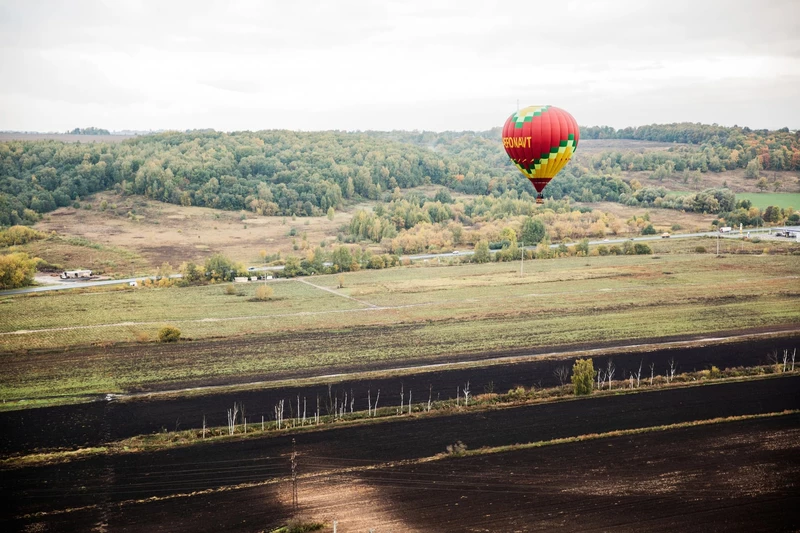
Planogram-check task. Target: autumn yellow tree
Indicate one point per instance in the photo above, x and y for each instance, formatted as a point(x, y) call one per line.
point(16, 270)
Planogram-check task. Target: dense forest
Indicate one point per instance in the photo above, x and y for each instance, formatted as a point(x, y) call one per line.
point(306, 173)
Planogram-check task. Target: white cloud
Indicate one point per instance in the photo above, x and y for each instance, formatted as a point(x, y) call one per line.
point(395, 65)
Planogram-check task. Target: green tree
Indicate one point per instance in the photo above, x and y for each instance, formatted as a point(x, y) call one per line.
point(762, 184)
point(533, 231)
point(219, 268)
point(583, 246)
point(583, 374)
point(342, 259)
point(753, 168)
point(331, 213)
point(292, 267)
point(16, 270)
point(482, 254)
point(190, 273)
point(649, 230)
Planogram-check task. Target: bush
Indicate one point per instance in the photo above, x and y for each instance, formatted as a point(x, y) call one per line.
point(17, 270)
point(583, 374)
point(16, 235)
point(649, 230)
point(456, 449)
point(264, 292)
point(301, 525)
point(700, 249)
point(169, 334)
point(642, 249)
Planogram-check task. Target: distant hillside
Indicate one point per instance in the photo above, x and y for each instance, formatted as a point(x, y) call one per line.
point(306, 173)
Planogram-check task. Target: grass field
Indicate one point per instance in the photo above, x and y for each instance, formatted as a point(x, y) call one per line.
point(395, 316)
point(765, 199)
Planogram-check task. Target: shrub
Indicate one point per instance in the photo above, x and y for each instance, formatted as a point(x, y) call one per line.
point(583, 374)
point(517, 393)
point(700, 249)
point(16, 235)
point(264, 292)
point(169, 334)
point(649, 230)
point(456, 449)
point(302, 525)
point(16, 270)
point(642, 249)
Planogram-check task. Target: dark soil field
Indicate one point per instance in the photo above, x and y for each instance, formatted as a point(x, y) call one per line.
point(91, 424)
point(617, 481)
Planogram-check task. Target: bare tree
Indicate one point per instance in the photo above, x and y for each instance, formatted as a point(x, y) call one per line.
point(466, 394)
point(610, 368)
point(773, 357)
point(671, 369)
point(279, 414)
point(631, 380)
point(562, 374)
point(232, 413)
point(458, 395)
point(352, 401)
point(375, 407)
point(204, 426)
point(785, 359)
point(652, 369)
point(600, 378)
point(409, 401)
point(794, 352)
point(262, 422)
point(430, 395)
point(639, 374)
point(402, 400)
point(304, 410)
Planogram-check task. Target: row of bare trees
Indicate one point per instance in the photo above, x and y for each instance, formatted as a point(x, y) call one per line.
point(338, 407)
point(605, 376)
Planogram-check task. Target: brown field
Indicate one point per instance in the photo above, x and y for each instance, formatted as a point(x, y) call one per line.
point(161, 232)
point(728, 475)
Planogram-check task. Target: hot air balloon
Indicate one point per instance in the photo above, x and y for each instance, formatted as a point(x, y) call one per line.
point(540, 140)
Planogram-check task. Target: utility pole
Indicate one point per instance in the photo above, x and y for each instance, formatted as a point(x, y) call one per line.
point(294, 477)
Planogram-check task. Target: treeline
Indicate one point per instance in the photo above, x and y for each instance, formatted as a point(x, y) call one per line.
point(716, 148)
point(268, 172)
point(304, 174)
point(89, 131)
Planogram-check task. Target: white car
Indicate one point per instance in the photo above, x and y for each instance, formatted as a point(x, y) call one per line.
point(456, 252)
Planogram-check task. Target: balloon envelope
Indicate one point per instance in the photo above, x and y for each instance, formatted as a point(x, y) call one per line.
point(540, 140)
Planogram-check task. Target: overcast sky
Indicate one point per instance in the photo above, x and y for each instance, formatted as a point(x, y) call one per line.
point(372, 64)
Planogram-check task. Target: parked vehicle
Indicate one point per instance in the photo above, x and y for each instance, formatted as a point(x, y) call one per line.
point(665, 235)
point(725, 229)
